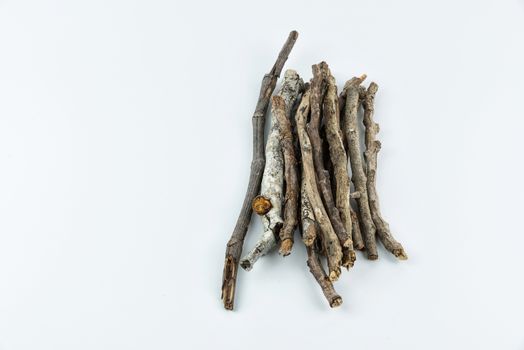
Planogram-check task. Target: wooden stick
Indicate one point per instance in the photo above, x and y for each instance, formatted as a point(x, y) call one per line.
point(330, 240)
point(372, 149)
point(357, 167)
point(291, 177)
point(340, 164)
point(307, 217)
point(318, 87)
point(235, 243)
point(316, 269)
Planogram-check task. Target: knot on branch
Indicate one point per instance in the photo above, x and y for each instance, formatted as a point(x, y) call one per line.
point(261, 205)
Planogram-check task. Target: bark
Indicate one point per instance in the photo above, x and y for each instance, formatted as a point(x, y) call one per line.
point(309, 225)
point(330, 240)
point(290, 177)
point(341, 108)
point(357, 167)
point(316, 269)
point(235, 243)
point(273, 179)
point(358, 242)
point(340, 165)
point(371, 154)
point(318, 88)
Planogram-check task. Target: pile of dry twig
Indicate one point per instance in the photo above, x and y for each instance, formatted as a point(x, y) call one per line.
point(301, 179)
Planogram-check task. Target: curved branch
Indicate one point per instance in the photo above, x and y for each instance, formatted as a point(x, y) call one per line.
point(372, 149)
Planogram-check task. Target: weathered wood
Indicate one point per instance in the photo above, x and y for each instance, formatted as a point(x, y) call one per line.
point(273, 179)
point(371, 154)
point(307, 217)
point(290, 176)
point(358, 242)
point(316, 269)
point(318, 89)
point(357, 167)
point(340, 164)
point(330, 240)
point(235, 243)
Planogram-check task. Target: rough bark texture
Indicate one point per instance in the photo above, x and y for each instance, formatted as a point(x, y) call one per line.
point(330, 240)
point(358, 242)
point(273, 179)
point(316, 269)
point(309, 225)
point(372, 149)
point(290, 177)
point(318, 88)
point(340, 164)
point(341, 109)
point(235, 243)
point(357, 167)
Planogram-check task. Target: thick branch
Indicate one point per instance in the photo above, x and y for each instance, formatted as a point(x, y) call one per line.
point(318, 88)
point(235, 243)
point(330, 240)
point(372, 149)
point(357, 167)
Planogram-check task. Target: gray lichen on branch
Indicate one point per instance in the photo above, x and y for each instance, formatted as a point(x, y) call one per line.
point(273, 179)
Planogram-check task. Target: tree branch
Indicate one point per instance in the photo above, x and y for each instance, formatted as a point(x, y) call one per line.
point(235, 243)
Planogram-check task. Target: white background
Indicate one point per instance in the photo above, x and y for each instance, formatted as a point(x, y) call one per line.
point(125, 143)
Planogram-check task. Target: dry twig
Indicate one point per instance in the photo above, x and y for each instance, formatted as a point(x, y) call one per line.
point(318, 88)
point(235, 243)
point(357, 167)
point(330, 240)
point(340, 164)
point(272, 189)
point(372, 149)
point(291, 177)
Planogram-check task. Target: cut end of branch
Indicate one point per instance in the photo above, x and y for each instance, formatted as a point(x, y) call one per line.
point(336, 301)
point(246, 264)
point(334, 275)
point(229, 279)
point(347, 243)
point(348, 258)
point(261, 205)
point(285, 247)
point(400, 254)
point(372, 256)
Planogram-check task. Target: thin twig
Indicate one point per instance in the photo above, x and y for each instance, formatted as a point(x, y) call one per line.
point(372, 149)
point(357, 167)
point(235, 243)
point(331, 244)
